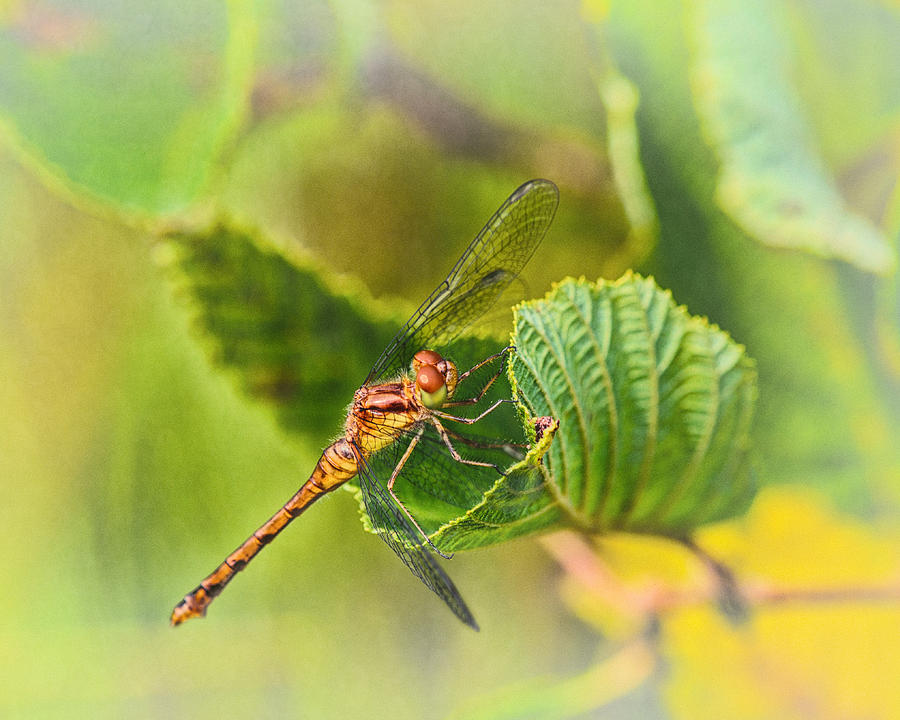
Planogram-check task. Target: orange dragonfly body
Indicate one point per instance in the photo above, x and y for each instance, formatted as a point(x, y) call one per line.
point(393, 411)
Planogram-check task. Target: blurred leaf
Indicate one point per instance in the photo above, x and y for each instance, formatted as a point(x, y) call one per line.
point(827, 659)
point(620, 100)
point(845, 68)
point(772, 180)
point(535, 74)
point(132, 107)
point(817, 399)
point(290, 338)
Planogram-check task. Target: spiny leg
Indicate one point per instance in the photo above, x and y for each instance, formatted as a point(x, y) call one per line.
point(390, 488)
point(445, 438)
point(507, 446)
point(489, 359)
point(487, 386)
point(470, 421)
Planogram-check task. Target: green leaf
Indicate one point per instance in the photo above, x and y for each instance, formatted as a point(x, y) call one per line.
point(654, 406)
point(654, 409)
point(291, 339)
point(130, 107)
point(772, 180)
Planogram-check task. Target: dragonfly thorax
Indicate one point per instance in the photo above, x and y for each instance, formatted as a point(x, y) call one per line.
point(435, 378)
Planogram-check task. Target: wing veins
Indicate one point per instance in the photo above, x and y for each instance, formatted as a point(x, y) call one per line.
point(505, 243)
point(392, 526)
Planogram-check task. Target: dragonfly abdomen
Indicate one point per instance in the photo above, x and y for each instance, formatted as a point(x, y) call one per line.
point(336, 466)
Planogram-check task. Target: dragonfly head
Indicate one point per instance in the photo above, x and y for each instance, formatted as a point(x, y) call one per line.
point(435, 378)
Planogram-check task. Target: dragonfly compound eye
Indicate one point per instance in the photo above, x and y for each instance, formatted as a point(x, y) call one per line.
point(428, 357)
point(429, 378)
point(432, 388)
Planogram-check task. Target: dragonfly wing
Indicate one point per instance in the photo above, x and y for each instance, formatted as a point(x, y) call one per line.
point(491, 262)
point(394, 527)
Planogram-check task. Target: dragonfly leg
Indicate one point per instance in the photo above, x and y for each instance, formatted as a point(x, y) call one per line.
point(469, 421)
point(390, 488)
point(507, 446)
point(487, 386)
point(445, 438)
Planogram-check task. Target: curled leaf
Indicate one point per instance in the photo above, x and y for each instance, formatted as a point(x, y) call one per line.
point(772, 181)
point(654, 407)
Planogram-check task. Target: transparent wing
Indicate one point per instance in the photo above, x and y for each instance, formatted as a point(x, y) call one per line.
point(491, 262)
point(431, 471)
point(392, 525)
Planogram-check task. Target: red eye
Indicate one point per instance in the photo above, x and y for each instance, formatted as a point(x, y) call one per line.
point(429, 379)
point(428, 357)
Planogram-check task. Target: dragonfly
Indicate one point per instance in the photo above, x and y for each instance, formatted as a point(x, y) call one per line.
point(406, 406)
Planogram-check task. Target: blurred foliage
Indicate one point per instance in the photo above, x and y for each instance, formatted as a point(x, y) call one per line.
point(819, 643)
point(318, 167)
point(771, 179)
point(131, 108)
point(807, 644)
point(263, 314)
